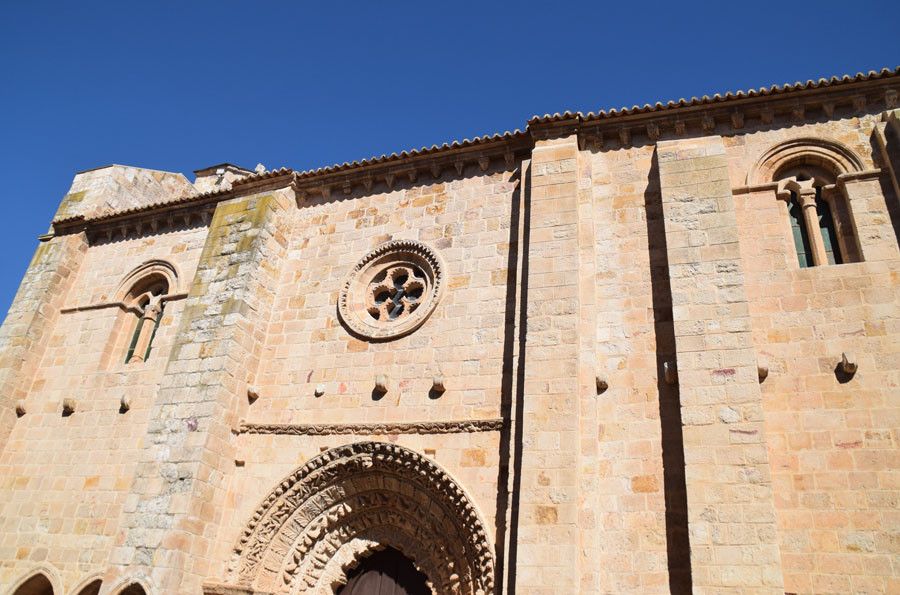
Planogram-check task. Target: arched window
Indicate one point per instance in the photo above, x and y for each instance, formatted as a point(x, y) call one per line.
point(809, 174)
point(820, 225)
point(143, 295)
point(146, 301)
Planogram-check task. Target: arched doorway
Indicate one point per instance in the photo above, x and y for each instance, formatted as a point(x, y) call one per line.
point(387, 572)
point(36, 585)
point(345, 505)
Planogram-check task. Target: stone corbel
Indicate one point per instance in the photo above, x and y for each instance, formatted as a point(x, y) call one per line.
point(859, 102)
point(624, 136)
point(389, 180)
point(252, 394)
point(435, 170)
point(767, 115)
point(708, 124)
point(326, 191)
point(484, 162)
point(847, 366)
point(653, 131)
point(347, 187)
point(737, 120)
point(460, 165)
point(367, 182)
point(670, 373)
point(828, 108)
point(890, 98)
point(680, 127)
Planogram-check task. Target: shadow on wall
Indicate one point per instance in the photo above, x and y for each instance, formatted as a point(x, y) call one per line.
point(677, 538)
point(511, 437)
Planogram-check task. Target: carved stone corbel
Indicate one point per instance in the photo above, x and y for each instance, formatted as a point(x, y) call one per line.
point(484, 162)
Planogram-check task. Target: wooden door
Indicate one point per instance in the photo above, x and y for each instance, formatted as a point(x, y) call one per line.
point(387, 572)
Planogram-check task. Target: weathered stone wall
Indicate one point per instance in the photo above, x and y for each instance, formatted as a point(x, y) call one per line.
point(574, 273)
point(64, 480)
point(832, 441)
point(465, 219)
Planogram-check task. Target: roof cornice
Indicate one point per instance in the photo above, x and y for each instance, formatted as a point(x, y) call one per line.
point(728, 113)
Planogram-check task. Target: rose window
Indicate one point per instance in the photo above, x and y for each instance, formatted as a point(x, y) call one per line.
point(392, 291)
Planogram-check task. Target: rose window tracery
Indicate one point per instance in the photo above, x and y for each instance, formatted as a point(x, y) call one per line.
point(392, 291)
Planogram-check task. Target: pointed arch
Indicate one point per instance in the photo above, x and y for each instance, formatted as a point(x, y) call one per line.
point(350, 501)
point(41, 580)
point(131, 586)
point(90, 585)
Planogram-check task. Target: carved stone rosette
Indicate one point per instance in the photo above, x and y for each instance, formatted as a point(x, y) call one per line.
point(320, 521)
point(392, 291)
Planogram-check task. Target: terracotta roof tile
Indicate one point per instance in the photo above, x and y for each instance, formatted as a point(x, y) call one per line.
point(718, 98)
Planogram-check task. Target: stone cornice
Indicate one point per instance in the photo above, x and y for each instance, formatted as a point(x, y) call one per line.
point(371, 429)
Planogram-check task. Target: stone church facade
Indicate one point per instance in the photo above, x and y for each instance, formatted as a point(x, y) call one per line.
point(648, 350)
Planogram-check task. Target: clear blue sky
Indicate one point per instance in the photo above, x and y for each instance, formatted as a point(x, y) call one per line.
point(182, 85)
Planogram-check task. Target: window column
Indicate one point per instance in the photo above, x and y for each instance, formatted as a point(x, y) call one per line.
point(807, 199)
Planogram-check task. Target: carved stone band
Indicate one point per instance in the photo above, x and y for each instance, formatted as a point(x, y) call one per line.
point(416, 427)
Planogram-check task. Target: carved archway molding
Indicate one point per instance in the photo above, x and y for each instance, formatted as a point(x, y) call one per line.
point(348, 502)
point(151, 268)
point(822, 152)
point(48, 571)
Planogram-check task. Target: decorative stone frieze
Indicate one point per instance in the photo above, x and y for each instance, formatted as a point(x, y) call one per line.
point(364, 429)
